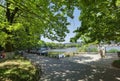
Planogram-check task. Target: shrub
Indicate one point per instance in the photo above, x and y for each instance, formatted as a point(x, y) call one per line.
point(83, 49)
point(93, 50)
point(88, 49)
point(67, 55)
point(53, 54)
point(16, 68)
point(112, 51)
point(116, 63)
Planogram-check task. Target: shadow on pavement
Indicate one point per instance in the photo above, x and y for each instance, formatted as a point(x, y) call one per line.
point(61, 70)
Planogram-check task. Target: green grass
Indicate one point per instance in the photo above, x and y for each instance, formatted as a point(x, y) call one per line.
point(16, 68)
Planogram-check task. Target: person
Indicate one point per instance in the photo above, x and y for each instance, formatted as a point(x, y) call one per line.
point(101, 51)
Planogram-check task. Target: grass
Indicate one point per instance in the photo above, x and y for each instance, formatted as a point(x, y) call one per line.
point(17, 69)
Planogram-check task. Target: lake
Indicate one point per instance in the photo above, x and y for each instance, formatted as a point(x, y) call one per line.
point(63, 50)
point(112, 47)
point(74, 49)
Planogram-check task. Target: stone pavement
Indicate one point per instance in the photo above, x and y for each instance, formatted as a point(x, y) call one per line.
point(78, 68)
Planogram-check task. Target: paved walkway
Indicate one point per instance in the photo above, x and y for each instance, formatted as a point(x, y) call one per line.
point(79, 68)
point(94, 59)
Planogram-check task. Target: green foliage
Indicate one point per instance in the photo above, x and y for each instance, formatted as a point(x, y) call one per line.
point(54, 45)
point(29, 20)
point(67, 55)
point(72, 45)
point(60, 45)
point(83, 49)
point(88, 48)
point(93, 49)
point(112, 51)
point(17, 69)
point(53, 54)
point(3, 37)
point(99, 21)
point(116, 63)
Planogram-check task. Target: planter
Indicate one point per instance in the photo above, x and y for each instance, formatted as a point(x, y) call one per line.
point(118, 54)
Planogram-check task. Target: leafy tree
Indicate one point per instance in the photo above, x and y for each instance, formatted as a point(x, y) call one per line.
point(23, 22)
point(99, 21)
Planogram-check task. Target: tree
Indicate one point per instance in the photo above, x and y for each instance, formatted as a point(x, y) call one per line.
point(23, 22)
point(99, 21)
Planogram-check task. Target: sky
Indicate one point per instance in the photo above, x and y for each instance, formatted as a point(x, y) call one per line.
point(74, 24)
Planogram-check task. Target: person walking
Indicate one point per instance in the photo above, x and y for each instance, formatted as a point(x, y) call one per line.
point(101, 51)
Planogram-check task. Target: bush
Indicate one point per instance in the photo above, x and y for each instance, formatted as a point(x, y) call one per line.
point(93, 50)
point(16, 68)
point(67, 55)
point(83, 49)
point(116, 63)
point(112, 51)
point(53, 54)
point(88, 49)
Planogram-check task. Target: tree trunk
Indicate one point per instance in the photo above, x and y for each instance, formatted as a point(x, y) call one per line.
point(10, 18)
point(8, 47)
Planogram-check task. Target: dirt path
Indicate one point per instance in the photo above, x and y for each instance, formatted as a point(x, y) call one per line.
point(68, 69)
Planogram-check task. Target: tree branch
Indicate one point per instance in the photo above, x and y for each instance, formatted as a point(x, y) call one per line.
point(2, 6)
point(8, 12)
point(13, 14)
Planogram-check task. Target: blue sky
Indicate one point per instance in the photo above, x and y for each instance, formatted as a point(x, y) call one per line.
point(74, 24)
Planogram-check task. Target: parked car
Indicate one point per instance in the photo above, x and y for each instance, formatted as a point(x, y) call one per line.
point(42, 51)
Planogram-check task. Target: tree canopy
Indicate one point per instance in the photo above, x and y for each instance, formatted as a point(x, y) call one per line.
point(23, 22)
point(99, 21)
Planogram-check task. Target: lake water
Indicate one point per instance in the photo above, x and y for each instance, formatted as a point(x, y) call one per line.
point(64, 50)
point(112, 47)
point(75, 49)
